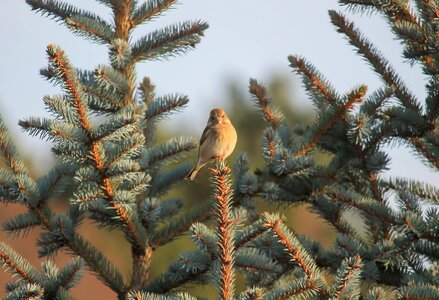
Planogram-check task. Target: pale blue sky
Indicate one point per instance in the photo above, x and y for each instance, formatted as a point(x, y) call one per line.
point(246, 38)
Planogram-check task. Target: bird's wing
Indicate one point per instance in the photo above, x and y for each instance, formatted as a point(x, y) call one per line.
point(204, 135)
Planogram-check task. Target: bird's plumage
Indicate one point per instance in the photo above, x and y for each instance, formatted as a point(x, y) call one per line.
point(217, 141)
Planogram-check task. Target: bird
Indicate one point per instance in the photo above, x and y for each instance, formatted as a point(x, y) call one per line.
point(217, 141)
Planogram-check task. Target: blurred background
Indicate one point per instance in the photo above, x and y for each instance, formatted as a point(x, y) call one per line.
point(246, 38)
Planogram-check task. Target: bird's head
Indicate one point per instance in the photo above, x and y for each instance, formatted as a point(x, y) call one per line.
point(218, 116)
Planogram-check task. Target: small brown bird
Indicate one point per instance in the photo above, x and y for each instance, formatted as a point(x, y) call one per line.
point(217, 141)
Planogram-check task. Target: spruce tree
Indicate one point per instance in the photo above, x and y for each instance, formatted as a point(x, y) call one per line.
point(120, 174)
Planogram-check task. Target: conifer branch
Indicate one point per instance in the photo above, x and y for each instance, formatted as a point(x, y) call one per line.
point(167, 151)
point(163, 181)
point(92, 147)
point(28, 291)
point(376, 101)
point(53, 130)
point(249, 233)
point(420, 189)
point(225, 231)
point(121, 127)
point(61, 108)
point(122, 11)
point(261, 98)
point(397, 10)
point(91, 27)
point(133, 228)
point(150, 296)
point(372, 209)
point(251, 259)
point(271, 140)
point(301, 288)
point(315, 83)
point(353, 97)
point(423, 149)
point(17, 264)
point(26, 186)
point(120, 56)
point(101, 101)
point(432, 106)
point(97, 263)
point(348, 274)
point(111, 80)
point(124, 23)
point(362, 6)
point(168, 42)
point(180, 224)
point(421, 291)
point(147, 90)
point(149, 10)
point(70, 83)
point(375, 187)
point(297, 253)
point(204, 238)
point(380, 65)
point(76, 243)
point(72, 86)
point(79, 21)
point(164, 105)
point(130, 146)
point(253, 293)
point(189, 267)
point(71, 273)
point(94, 258)
point(21, 224)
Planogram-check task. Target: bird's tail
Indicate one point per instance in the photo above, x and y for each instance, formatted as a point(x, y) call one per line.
point(195, 170)
point(193, 173)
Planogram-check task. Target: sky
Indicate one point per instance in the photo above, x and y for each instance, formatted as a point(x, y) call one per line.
point(246, 38)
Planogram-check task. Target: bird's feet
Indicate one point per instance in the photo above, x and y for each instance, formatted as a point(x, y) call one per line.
point(219, 158)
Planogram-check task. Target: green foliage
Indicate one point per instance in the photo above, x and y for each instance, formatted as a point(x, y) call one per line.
point(354, 129)
point(107, 164)
point(169, 41)
point(118, 175)
point(31, 284)
point(146, 296)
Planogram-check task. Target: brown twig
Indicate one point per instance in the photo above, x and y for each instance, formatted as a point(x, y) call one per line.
point(225, 230)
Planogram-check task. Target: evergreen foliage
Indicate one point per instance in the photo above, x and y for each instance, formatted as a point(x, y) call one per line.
point(120, 174)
